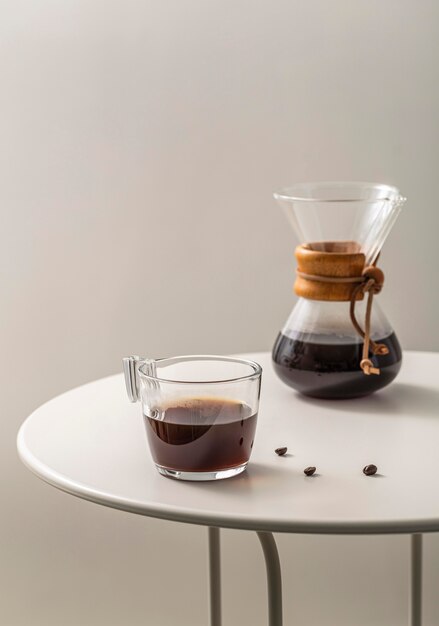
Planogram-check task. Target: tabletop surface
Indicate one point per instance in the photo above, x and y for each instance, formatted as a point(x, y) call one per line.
point(91, 443)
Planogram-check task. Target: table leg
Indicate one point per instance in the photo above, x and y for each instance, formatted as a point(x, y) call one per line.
point(416, 580)
point(274, 579)
point(214, 576)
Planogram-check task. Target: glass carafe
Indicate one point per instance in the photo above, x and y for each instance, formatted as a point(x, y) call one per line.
point(336, 343)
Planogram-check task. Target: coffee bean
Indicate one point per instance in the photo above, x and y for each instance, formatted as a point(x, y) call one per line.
point(309, 471)
point(281, 451)
point(370, 470)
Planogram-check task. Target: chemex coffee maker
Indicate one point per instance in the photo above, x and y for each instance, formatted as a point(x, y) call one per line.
point(337, 342)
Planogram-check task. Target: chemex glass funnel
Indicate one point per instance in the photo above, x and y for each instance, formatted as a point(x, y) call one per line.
point(335, 344)
point(361, 213)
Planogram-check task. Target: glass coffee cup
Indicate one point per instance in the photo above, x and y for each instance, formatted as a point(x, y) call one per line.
point(200, 412)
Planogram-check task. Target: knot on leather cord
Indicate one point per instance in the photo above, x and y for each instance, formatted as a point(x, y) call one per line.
point(371, 284)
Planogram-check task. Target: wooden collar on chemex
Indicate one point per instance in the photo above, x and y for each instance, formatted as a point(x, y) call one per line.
point(336, 272)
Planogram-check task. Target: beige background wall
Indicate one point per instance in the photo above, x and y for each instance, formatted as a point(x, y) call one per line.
point(140, 144)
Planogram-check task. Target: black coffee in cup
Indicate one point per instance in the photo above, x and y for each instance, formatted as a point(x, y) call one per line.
point(201, 434)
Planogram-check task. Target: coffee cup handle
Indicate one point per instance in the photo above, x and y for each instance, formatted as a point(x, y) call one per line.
point(131, 366)
point(131, 375)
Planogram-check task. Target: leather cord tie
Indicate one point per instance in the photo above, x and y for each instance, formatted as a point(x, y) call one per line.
point(373, 279)
point(370, 282)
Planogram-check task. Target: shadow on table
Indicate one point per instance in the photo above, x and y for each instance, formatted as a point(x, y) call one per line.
point(257, 477)
point(398, 399)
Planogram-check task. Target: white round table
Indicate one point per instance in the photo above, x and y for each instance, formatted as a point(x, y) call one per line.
point(91, 443)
